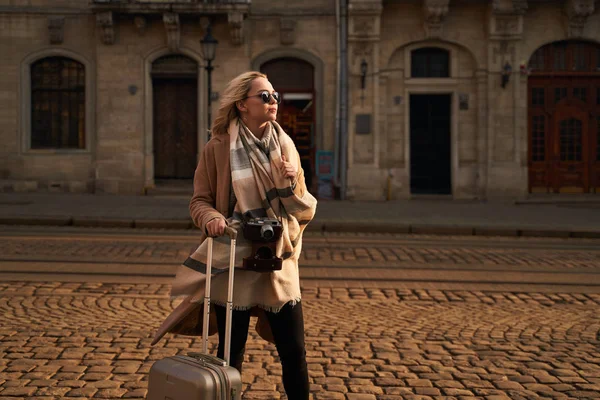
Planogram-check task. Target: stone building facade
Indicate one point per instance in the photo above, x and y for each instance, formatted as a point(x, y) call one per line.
point(462, 98)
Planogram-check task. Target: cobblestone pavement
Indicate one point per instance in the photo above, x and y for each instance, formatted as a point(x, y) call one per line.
point(91, 340)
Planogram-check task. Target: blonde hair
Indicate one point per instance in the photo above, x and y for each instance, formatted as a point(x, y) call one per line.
point(237, 89)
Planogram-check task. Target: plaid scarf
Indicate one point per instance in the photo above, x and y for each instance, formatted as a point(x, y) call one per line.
point(260, 190)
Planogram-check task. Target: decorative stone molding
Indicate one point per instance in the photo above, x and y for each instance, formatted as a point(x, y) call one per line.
point(506, 19)
point(360, 50)
point(435, 12)
point(236, 27)
point(140, 24)
point(364, 19)
point(363, 26)
point(287, 28)
point(578, 12)
point(104, 20)
point(56, 29)
point(171, 21)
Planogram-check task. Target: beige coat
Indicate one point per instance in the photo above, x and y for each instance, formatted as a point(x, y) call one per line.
point(212, 184)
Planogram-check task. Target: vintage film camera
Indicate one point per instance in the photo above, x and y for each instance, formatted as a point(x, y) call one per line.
point(263, 233)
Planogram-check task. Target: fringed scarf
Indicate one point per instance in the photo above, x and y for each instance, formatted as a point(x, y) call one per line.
point(260, 190)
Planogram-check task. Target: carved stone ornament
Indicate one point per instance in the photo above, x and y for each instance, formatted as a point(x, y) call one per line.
point(362, 49)
point(578, 12)
point(507, 25)
point(56, 29)
point(171, 21)
point(435, 13)
point(140, 23)
point(236, 27)
point(104, 21)
point(287, 30)
point(363, 26)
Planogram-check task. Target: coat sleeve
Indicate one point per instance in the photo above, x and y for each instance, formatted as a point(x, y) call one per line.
point(202, 203)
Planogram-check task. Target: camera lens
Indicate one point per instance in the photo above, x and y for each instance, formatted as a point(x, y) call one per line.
point(266, 232)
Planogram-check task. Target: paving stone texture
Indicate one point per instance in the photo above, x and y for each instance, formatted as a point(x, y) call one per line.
point(92, 340)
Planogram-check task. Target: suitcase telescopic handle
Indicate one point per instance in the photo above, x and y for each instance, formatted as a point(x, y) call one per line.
point(207, 358)
point(232, 233)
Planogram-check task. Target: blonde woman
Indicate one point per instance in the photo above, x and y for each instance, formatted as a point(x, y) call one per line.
point(250, 167)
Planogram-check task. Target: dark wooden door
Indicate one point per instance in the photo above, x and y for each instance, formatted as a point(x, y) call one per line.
point(563, 144)
point(564, 118)
point(430, 155)
point(175, 128)
point(570, 148)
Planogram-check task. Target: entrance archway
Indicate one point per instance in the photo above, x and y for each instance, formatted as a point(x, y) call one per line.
point(564, 118)
point(297, 109)
point(175, 97)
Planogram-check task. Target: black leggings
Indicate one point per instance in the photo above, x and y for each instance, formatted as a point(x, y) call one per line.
point(288, 331)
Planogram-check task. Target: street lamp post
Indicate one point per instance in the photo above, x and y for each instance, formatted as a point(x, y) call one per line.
point(209, 48)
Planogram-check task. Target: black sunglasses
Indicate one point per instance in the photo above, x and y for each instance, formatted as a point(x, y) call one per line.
point(266, 97)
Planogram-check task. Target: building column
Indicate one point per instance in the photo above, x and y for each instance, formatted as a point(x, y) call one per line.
point(505, 168)
point(364, 19)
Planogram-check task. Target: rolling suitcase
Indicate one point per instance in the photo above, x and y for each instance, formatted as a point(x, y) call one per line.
point(200, 375)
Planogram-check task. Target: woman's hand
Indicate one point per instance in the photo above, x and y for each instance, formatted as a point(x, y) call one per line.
point(288, 169)
point(216, 227)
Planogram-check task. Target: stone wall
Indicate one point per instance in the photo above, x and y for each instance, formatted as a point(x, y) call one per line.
point(490, 140)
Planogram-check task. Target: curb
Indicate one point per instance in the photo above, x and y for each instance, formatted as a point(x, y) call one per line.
point(315, 226)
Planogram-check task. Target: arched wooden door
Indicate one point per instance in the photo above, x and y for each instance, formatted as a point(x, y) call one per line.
point(564, 118)
point(175, 134)
point(294, 79)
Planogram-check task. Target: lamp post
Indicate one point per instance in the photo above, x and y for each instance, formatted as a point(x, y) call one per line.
point(209, 48)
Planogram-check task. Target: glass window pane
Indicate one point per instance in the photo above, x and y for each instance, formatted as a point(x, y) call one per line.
point(537, 96)
point(570, 140)
point(580, 57)
point(538, 138)
point(560, 56)
point(57, 122)
point(538, 60)
point(430, 62)
point(559, 94)
point(580, 93)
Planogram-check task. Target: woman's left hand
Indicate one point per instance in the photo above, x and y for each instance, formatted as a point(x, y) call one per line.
point(288, 170)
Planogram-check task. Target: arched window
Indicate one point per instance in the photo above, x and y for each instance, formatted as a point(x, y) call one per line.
point(566, 56)
point(430, 62)
point(279, 71)
point(57, 104)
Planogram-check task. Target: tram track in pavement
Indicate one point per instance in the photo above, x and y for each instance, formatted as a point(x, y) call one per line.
point(51, 253)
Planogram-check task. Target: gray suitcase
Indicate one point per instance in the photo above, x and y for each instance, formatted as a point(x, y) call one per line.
point(200, 375)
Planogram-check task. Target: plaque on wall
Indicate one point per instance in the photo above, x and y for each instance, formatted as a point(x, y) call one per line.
point(363, 124)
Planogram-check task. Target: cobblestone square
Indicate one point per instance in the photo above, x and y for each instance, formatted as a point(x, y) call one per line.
point(91, 340)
